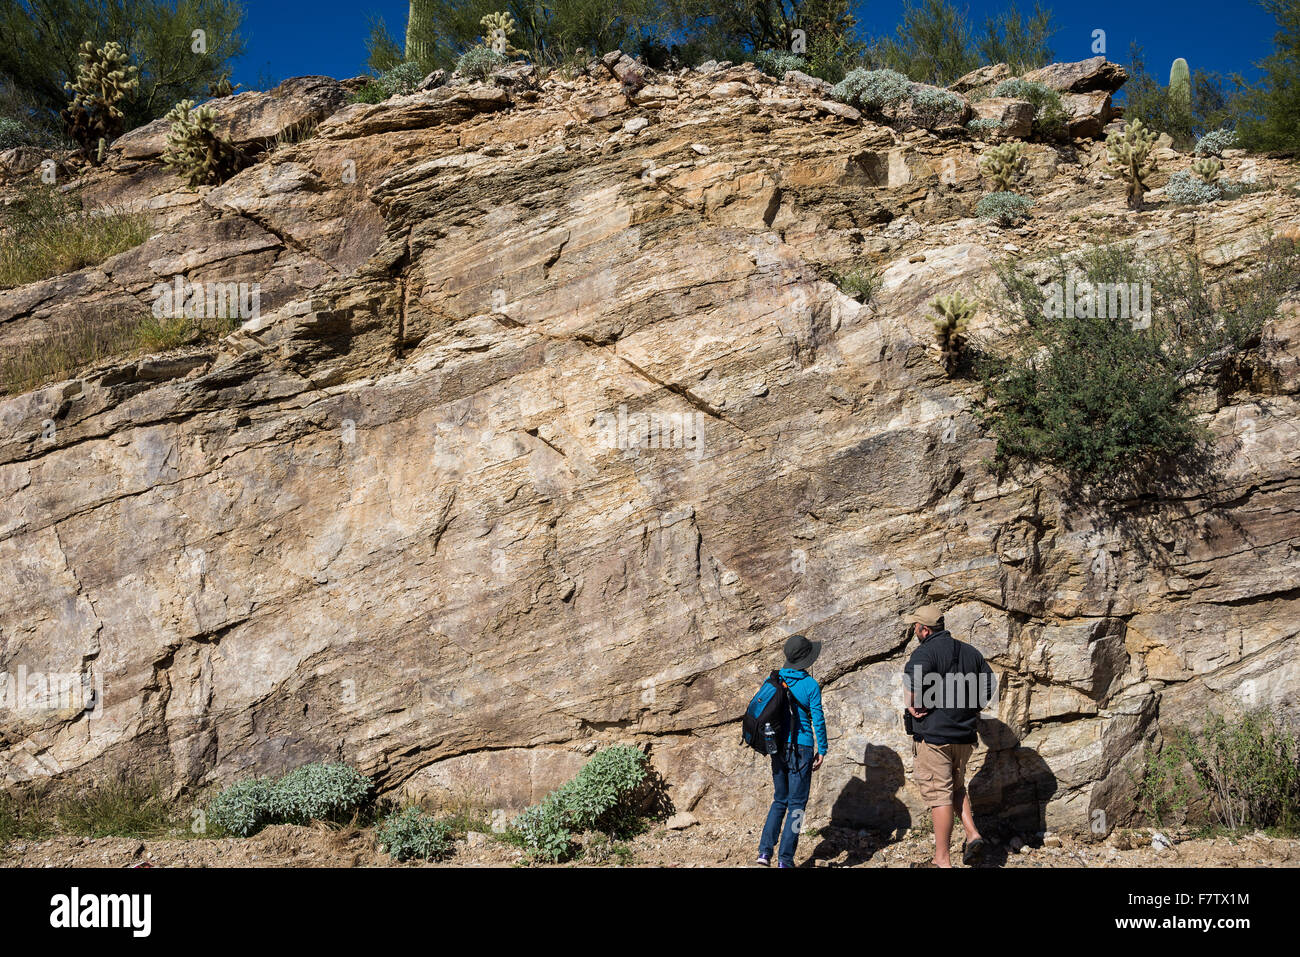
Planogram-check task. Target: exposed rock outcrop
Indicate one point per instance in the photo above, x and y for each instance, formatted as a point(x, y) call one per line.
point(409, 516)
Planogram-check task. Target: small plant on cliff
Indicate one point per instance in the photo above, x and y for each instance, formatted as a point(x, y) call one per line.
point(872, 91)
point(777, 63)
point(859, 283)
point(105, 79)
point(1130, 151)
point(602, 797)
point(44, 232)
point(412, 834)
point(318, 792)
point(1006, 209)
point(1215, 142)
point(933, 105)
point(1002, 164)
point(196, 151)
point(1188, 190)
point(952, 319)
point(1049, 113)
point(479, 62)
point(1244, 771)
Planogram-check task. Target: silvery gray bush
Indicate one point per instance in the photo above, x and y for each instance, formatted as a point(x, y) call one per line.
point(777, 63)
point(1188, 190)
point(244, 808)
point(872, 90)
point(1215, 142)
point(479, 62)
point(1006, 208)
point(318, 792)
point(411, 833)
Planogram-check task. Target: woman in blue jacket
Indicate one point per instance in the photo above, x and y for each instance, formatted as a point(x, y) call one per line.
point(792, 769)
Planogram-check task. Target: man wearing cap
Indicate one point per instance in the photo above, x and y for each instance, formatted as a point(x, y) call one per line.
point(946, 683)
point(792, 768)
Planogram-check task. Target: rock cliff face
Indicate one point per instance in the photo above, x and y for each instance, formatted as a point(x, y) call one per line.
point(409, 518)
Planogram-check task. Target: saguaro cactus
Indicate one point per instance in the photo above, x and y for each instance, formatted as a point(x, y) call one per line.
point(1180, 85)
point(954, 315)
point(1130, 150)
point(1002, 165)
point(418, 28)
point(104, 79)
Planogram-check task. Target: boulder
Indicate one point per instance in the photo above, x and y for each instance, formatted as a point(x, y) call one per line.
point(21, 159)
point(1082, 76)
point(1014, 117)
point(1088, 113)
point(249, 120)
point(982, 77)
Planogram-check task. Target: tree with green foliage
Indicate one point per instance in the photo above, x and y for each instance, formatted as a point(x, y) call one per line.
point(1270, 112)
point(1023, 43)
point(40, 42)
point(1100, 385)
point(936, 42)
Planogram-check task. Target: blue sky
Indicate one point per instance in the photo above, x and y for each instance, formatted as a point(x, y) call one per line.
point(294, 37)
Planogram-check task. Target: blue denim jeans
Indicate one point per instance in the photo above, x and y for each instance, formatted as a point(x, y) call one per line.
point(791, 781)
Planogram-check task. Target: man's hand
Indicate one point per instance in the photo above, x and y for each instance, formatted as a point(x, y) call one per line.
point(817, 761)
point(916, 712)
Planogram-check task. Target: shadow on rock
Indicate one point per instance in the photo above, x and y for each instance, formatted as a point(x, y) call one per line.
point(1010, 791)
point(868, 814)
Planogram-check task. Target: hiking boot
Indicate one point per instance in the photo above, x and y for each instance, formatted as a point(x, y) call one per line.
point(973, 852)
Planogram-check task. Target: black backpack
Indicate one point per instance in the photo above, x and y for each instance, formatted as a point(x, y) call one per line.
point(773, 705)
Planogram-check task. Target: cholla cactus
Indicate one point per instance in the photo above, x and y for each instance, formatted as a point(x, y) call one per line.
point(223, 87)
point(498, 28)
point(1131, 151)
point(954, 315)
point(1002, 165)
point(195, 150)
point(1207, 170)
point(104, 79)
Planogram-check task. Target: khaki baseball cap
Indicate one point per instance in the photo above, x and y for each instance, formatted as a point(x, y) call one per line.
point(928, 615)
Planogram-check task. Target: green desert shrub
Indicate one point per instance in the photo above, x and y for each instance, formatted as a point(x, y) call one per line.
point(872, 90)
point(1245, 772)
point(412, 834)
point(859, 283)
point(12, 133)
point(1049, 113)
point(981, 125)
point(313, 792)
point(479, 62)
point(244, 808)
point(318, 792)
point(45, 233)
point(397, 81)
point(777, 63)
point(1104, 394)
point(1004, 208)
point(599, 798)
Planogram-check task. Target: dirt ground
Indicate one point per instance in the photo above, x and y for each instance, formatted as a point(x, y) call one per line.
point(700, 845)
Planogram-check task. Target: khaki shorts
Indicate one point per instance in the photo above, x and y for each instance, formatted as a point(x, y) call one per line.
point(940, 771)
